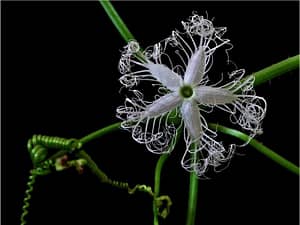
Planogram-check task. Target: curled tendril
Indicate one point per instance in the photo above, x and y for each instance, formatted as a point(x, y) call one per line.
point(38, 147)
point(163, 205)
point(26, 201)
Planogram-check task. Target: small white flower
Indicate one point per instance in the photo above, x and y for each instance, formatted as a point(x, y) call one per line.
point(184, 90)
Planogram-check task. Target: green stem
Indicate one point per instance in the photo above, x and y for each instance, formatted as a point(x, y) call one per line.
point(193, 194)
point(276, 70)
point(258, 146)
point(99, 133)
point(193, 197)
point(158, 168)
point(93, 166)
point(116, 20)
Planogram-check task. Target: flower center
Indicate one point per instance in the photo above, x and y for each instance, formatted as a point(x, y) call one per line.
point(186, 91)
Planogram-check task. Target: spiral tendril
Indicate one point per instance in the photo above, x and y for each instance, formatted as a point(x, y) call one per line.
point(38, 146)
point(104, 178)
point(56, 142)
point(118, 184)
point(26, 201)
point(125, 185)
point(163, 204)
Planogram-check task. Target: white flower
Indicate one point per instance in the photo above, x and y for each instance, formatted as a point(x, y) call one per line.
point(184, 91)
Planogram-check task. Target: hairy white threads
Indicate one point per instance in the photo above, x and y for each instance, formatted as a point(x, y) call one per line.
point(178, 68)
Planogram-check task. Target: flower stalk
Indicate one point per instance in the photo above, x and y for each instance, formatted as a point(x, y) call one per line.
point(116, 20)
point(99, 133)
point(258, 146)
point(158, 168)
point(193, 199)
point(275, 70)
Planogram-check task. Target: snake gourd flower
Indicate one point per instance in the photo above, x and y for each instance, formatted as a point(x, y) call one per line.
point(178, 68)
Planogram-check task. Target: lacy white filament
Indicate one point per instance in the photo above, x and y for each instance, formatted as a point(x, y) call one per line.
point(178, 67)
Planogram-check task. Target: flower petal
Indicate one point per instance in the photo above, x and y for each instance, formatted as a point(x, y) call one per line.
point(196, 67)
point(213, 96)
point(164, 75)
point(164, 104)
point(191, 117)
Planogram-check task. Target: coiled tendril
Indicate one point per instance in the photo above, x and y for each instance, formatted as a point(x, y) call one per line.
point(38, 147)
point(26, 201)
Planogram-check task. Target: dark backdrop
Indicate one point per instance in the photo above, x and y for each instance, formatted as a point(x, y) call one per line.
point(60, 78)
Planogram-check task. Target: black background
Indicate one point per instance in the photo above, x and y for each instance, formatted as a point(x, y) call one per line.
point(60, 78)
